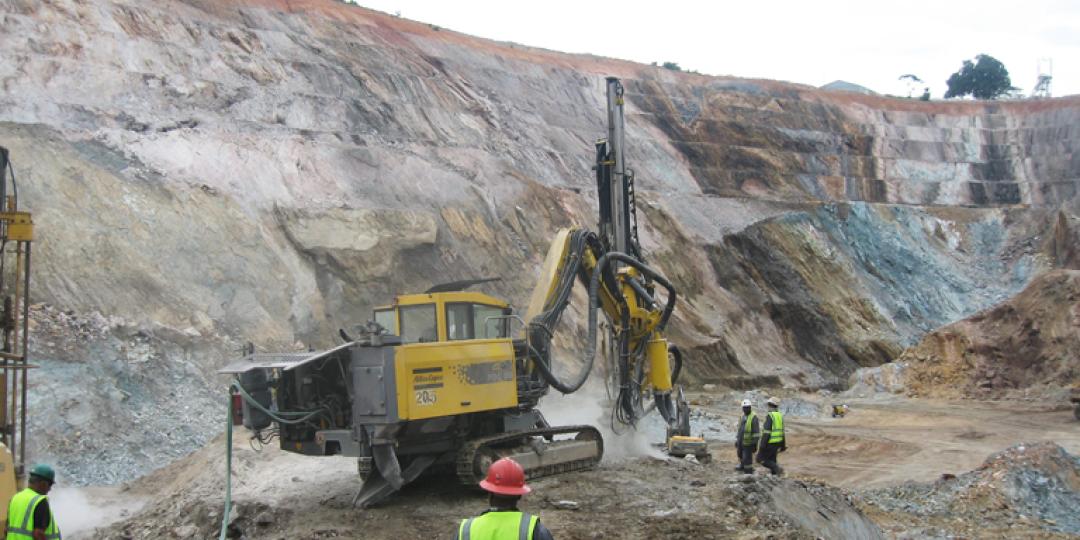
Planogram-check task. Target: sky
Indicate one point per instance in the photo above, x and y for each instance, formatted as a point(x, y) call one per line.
point(868, 42)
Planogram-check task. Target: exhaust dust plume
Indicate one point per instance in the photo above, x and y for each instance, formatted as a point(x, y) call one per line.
point(591, 406)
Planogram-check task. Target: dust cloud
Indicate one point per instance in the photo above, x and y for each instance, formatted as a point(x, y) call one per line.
point(591, 406)
point(81, 510)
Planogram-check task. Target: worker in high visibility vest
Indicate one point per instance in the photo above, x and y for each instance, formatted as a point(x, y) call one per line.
point(29, 514)
point(772, 438)
point(505, 483)
point(747, 434)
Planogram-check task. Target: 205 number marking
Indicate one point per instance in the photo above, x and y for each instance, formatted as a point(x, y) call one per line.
point(426, 397)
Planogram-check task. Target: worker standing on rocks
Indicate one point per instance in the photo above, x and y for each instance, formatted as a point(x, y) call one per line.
point(772, 438)
point(746, 438)
point(503, 521)
point(29, 515)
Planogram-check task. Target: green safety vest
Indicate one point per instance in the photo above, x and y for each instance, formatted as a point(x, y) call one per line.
point(776, 434)
point(21, 516)
point(497, 525)
point(748, 434)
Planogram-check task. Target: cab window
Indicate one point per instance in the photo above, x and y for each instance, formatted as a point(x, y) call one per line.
point(386, 319)
point(474, 321)
point(418, 324)
point(489, 322)
point(459, 322)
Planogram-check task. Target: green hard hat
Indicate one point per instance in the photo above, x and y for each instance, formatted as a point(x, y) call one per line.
point(44, 472)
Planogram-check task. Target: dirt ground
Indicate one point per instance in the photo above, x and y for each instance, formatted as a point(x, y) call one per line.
point(882, 442)
point(885, 441)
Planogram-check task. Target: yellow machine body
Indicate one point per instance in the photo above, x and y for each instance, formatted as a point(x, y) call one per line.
point(451, 378)
point(659, 366)
point(20, 226)
point(8, 484)
point(441, 372)
point(553, 263)
point(681, 446)
point(17, 235)
point(461, 370)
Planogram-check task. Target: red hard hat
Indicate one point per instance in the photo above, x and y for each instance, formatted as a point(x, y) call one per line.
point(505, 477)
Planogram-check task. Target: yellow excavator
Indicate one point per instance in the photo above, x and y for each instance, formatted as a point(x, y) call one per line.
point(16, 236)
point(450, 379)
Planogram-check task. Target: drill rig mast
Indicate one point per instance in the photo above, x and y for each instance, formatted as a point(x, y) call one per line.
point(620, 285)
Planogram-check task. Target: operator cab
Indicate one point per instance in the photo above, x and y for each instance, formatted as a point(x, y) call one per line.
point(445, 316)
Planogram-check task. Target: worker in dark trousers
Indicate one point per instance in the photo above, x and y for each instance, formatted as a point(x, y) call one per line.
point(772, 438)
point(505, 483)
point(747, 434)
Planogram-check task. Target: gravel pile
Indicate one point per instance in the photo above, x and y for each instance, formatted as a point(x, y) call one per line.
point(1028, 486)
point(112, 401)
point(790, 406)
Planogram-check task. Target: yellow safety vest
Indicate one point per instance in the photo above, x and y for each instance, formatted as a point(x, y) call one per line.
point(21, 517)
point(748, 434)
point(509, 525)
point(776, 433)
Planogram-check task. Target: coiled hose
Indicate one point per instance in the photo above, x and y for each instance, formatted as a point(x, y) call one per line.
point(542, 325)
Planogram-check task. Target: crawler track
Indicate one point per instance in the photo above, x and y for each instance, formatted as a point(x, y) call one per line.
point(476, 455)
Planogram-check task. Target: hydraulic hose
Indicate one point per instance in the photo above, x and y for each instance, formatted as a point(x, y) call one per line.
point(542, 364)
point(629, 260)
point(228, 475)
point(626, 401)
point(676, 368)
point(664, 405)
point(549, 376)
point(301, 416)
point(644, 295)
point(541, 327)
point(594, 296)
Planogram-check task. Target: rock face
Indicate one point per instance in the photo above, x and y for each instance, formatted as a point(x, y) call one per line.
point(884, 378)
point(267, 171)
point(1028, 342)
point(848, 286)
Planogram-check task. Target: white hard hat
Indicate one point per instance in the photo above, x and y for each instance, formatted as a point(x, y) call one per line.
point(747, 403)
point(774, 401)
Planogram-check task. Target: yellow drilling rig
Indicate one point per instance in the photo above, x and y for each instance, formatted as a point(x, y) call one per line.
point(16, 237)
point(441, 379)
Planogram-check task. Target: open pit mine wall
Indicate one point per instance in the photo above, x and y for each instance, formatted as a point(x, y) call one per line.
point(204, 173)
